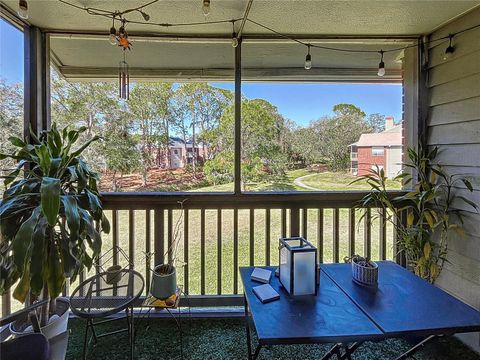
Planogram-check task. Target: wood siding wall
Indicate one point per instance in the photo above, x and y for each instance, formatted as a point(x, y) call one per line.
point(454, 126)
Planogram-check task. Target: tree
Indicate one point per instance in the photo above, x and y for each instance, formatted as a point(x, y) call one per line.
point(120, 149)
point(336, 133)
point(261, 152)
point(149, 108)
point(376, 122)
point(200, 105)
point(11, 118)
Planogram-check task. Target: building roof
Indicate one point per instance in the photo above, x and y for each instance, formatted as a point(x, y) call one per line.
point(390, 137)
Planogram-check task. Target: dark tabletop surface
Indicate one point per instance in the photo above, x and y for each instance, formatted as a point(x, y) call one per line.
point(328, 317)
point(405, 303)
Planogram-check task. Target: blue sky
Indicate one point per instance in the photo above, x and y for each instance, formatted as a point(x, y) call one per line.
point(298, 102)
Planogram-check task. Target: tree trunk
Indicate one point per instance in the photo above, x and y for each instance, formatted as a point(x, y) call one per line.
point(194, 160)
point(114, 181)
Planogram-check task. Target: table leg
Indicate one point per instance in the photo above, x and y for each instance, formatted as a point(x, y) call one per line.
point(415, 348)
point(251, 356)
point(336, 349)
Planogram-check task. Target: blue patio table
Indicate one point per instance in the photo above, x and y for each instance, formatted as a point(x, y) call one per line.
point(348, 314)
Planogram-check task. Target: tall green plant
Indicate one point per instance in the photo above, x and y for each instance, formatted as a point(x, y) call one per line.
point(431, 208)
point(51, 215)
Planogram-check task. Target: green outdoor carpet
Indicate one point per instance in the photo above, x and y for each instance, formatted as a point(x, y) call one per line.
point(225, 339)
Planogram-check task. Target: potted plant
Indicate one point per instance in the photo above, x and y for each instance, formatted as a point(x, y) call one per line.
point(51, 218)
point(164, 276)
point(431, 208)
point(364, 270)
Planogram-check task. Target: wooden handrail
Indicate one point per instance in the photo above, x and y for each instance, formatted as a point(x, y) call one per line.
point(222, 200)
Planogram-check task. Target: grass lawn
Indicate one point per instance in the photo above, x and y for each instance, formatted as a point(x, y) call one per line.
point(330, 181)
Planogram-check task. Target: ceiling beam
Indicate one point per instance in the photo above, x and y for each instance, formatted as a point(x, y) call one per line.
point(244, 20)
point(227, 74)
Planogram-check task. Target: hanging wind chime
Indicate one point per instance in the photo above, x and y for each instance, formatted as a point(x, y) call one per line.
point(123, 68)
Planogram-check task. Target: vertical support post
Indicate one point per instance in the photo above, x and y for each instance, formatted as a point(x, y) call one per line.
point(351, 232)
point(267, 237)
point(219, 251)
point(383, 235)
point(305, 223)
point(294, 221)
point(202, 251)
point(252, 236)
point(235, 251)
point(159, 237)
point(320, 235)
point(185, 250)
point(238, 119)
point(284, 222)
point(367, 233)
point(36, 81)
point(336, 235)
point(148, 249)
point(131, 237)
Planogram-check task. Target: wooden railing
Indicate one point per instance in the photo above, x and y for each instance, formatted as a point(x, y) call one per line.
point(218, 232)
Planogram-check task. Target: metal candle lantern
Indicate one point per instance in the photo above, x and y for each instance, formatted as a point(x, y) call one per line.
point(298, 266)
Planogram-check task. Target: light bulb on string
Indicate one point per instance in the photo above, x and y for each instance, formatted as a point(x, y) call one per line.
point(23, 9)
point(234, 36)
point(449, 50)
point(381, 65)
point(145, 16)
point(112, 39)
point(308, 59)
point(206, 7)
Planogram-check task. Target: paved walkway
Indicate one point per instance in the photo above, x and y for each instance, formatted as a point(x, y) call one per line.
point(299, 182)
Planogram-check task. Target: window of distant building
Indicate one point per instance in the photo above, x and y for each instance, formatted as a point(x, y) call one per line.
point(378, 151)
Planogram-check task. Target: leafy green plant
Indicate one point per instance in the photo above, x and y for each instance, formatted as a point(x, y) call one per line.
point(430, 208)
point(51, 216)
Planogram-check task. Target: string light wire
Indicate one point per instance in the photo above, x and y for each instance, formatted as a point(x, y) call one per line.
point(113, 15)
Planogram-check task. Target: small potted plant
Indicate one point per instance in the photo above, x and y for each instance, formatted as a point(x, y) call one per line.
point(51, 218)
point(164, 276)
point(364, 271)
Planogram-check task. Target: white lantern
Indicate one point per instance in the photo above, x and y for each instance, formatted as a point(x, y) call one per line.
point(298, 266)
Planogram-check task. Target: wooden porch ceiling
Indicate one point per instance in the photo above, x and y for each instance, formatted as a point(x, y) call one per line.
point(80, 49)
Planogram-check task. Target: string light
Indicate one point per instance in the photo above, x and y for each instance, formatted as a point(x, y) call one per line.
point(206, 10)
point(234, 36)
point(381, 65)
point(308, 59)
point(450, 49)
point(206, 7)
point(112, 39)
point(23, 9)
point(145, 16)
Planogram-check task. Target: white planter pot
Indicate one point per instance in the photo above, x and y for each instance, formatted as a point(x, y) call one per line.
point(57, 324)
point(163, 286)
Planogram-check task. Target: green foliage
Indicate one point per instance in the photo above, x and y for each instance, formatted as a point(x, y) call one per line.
point(48, 214)
point(431, 209)
point(262, 155)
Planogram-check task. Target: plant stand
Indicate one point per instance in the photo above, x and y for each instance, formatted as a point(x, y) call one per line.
point(151, 302)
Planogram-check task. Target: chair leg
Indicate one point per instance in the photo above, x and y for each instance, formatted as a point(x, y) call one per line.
point(85, 341)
